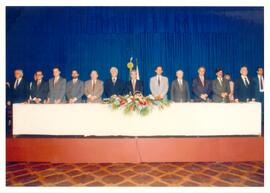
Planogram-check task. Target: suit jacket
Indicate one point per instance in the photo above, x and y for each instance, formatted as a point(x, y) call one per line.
point(162, 89)
point(57, 91)
point(198, 88)
point(256, 90)
point(75, 90)
point(8, 92)
point(241, 92)
point(40, 91)
point(180, 93)
point(21, 93)
point(218, 89)
point(96, 91)
point(118, 88)
point(138, 87)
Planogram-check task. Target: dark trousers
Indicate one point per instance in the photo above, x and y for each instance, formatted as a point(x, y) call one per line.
point(261, 100)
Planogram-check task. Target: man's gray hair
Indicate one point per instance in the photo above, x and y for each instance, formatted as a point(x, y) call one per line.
point(180, 71)
point(243, 68)
point(94, 71)
point(114, 68)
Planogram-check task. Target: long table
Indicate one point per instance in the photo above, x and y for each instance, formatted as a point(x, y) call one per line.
point(179, 119)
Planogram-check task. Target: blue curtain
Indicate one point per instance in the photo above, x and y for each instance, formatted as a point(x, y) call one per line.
point(87, 38)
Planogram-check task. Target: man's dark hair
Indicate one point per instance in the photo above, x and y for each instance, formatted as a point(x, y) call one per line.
point(218, 69)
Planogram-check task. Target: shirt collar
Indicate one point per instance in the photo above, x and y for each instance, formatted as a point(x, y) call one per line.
point(259, 76)
point(243, 76)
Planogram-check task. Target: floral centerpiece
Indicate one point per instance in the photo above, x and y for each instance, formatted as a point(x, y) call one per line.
point(137, 103)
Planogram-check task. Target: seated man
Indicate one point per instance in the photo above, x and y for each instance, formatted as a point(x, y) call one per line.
point(39, 89)
point(221, 88)
point(74, 89)
point(180, 89)
point(134, 85)
point(114, 86)
point(201, 86)
point(57, 88)
point(159, 84)
point(93, 88)
point(20, 88)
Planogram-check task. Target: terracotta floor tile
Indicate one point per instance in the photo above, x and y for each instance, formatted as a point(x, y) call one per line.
point(131, 174)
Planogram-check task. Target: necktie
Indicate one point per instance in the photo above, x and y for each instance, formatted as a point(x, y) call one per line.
point(261, 81)
point(16, 84)
point(180, 83)
point(133, 85)
point(220, 82)
point(38, 83)
point(158, 81)
point(202, 80)
point(94, 84)
point(114, 81)
point(246, 82)
point(54, 82)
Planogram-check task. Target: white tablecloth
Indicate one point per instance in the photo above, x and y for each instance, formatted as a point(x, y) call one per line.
point(179, 119)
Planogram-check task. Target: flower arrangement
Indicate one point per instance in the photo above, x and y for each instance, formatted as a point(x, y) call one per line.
point(137, 103)
point(130, 64)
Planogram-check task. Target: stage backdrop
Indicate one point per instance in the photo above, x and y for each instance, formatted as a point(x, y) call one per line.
point(87, 38)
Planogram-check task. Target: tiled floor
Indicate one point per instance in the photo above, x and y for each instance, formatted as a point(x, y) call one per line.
point(144, 174)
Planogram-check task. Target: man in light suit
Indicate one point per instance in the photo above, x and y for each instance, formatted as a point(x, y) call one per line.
point(20, 88)
point(74, 89)
point(93, 88)
point(114, 86)
point(180, 89)
point(57, 88)
point(243, 87)
point(134, 85)
point(159, 84)
point(201, 86)
point(220, 87)
point(39, 89)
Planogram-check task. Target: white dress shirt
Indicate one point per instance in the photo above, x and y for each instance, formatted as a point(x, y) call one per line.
point(260, 86)
point(245, 78)
point(17, 82)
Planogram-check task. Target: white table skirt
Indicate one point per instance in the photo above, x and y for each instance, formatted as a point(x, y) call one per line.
point(179, 119)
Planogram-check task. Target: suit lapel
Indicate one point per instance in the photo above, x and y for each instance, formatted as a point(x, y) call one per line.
point(202, 83)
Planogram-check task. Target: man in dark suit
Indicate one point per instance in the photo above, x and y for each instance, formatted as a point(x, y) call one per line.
point(8, 109)
point(39, 89)
point(243, 87)
point(20, 88)
point(220, 87)
point(201, 86)
point(258, 90)
point(114, 86)
point(180, 89)
point(258, 86)
point(134, 85)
